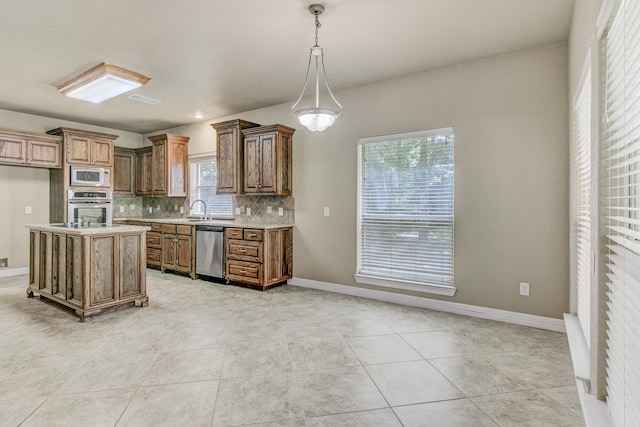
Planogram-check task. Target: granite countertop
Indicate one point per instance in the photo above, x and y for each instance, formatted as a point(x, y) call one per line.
point(193, 221)
point(60, 228)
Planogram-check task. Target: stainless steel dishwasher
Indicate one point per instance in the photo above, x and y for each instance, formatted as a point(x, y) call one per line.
point(210, 251)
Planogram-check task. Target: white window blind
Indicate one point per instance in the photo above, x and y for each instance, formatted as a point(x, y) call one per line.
point(621, 210)
point(204, 180)
point(582, 219)
point(406, 207)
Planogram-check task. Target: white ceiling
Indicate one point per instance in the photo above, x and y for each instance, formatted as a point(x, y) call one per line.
point(222, 57)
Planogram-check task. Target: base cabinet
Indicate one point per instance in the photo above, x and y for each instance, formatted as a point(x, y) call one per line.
point(178, 249)
point(88, 273)
point(259, 257)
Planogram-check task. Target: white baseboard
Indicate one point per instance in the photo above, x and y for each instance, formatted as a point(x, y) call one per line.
point(516, 318)
point(10, 272)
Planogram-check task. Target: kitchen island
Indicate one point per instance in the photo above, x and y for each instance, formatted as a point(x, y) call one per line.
point(89, 269)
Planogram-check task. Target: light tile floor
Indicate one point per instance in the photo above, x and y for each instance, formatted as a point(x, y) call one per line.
point(205, 354)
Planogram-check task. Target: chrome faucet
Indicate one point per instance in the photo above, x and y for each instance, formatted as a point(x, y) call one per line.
point(205, 207)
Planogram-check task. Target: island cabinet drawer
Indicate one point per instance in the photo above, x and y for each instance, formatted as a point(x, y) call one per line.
point(153, 239)
point(243, 250)
point(235, 233)
point(244, 271)
point(252, 234)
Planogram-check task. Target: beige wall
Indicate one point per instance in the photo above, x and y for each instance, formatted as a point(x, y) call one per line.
point(25, 186)
point(510, 117)
point(20, 187)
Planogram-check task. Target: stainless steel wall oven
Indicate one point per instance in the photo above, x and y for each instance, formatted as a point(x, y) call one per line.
point(90, 207)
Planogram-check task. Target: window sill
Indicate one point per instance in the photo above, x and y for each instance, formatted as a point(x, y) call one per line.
point(406, 285)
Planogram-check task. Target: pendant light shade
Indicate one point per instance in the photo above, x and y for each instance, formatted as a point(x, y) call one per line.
point(317, 118)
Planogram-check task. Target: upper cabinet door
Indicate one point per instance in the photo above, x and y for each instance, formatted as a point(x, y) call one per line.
point(124, 161)
point(78, 150)
point(101, 152)
point(230, 155)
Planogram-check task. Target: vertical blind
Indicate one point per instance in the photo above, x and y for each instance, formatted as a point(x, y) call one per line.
point(204, 180)
point(621, 212)
point(406, 207)
point(582, 150)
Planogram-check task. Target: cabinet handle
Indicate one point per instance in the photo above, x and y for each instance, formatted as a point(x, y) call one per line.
point(252, 235)
point(243, 271)
point(242, 250)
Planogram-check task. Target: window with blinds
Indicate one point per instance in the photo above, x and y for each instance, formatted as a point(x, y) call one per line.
point(620, 192)
point(582, 214)
point(406, 210)
point(204, 179)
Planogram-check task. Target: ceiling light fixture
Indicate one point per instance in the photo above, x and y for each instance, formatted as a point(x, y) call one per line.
point(317, 118)
point(102, 82)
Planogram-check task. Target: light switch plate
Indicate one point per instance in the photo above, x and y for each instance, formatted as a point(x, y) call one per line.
point(27, 210)
point(121, 208)
point(248, 211)
point(327, 211)
point(132, 207)
point(238, 211)
point(281, 211)
point(269, 209)
point(181, 209)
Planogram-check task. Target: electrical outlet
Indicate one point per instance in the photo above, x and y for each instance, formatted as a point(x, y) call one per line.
point(132, 207)
point(524, 289)
point(327, 211)
point(238, 211)
point(121, 209)
point(27, 210)
point(175, 207)
point(150, 209)
point(181, 209)
point(269, 210)
point(248, 211)
point(280, 211)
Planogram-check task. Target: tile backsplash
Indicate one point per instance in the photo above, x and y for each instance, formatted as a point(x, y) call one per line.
point(255, 209)
point(169, 207)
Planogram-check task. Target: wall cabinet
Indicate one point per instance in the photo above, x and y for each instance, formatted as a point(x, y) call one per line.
point(88, 272)
point(124, 166)
point(259, 257)
point(268, 160)
point(230, 155)
point(27, 149)
point(143, 172)
point(86, 148)
point(178, 249)
point(169, 165)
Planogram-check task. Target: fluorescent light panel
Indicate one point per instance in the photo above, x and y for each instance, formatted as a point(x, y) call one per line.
point(101, 83)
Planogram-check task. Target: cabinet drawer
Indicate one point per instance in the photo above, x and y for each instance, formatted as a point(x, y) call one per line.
point(243, 250)
point(234, 233)
point(252, 234)
point(185, 230)
point(155, 226)
point(169, 228)
point(130, 222)
point(153, 256)
point(153, 239)
point(244, 271)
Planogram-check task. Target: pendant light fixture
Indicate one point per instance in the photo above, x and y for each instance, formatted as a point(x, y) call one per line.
point(317, 118)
